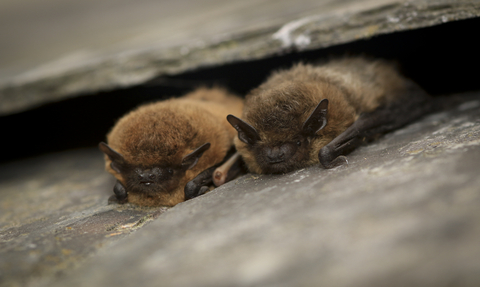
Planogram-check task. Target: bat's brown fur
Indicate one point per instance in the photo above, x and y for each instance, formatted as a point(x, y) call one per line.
point(162, 133)
point(278, 108)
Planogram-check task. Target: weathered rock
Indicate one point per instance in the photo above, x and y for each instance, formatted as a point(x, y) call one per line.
point(404, 212)
point(256, 31)
point(54, 214)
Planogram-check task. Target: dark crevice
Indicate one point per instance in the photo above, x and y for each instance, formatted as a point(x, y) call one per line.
point(443, 59)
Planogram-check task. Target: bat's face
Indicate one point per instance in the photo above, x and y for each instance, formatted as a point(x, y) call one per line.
point(156, 183)
point(281, 157)
point(288, 154)
point(152, 180)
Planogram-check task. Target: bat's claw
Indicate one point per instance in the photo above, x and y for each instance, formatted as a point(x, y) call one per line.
point(328, 160)
point(339, 161)
point(218, 175)
point(120, 191)
point(199, 185)
point(193, 189)
point(120, 195)
point(203, 190)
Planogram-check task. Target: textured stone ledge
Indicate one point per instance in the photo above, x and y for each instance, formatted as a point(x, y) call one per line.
point(404, 212)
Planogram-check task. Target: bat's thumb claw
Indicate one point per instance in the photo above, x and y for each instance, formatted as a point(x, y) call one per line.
point(339, 161)
point(190, 190)
point(203, 190)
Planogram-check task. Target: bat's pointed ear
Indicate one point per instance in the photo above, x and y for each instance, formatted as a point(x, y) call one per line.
point(117, 159)
point(317, 119)
point(246, 133)
point(191, 159)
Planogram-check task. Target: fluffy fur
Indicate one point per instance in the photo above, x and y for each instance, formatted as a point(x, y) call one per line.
point(278, 108)
point(161, 134)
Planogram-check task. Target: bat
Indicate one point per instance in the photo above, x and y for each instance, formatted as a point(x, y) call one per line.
point(317, 113)
point(156, 149)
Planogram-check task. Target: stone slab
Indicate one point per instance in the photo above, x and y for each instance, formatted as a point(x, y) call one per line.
point(404, 212)
point(54, 215)
point(89, 46)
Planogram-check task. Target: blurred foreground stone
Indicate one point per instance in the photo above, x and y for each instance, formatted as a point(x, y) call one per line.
point(54, 214)
point(404, 212)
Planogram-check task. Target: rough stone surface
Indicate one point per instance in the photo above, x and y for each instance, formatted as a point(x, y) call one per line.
point(404, 212)
point(54, 214)
point(233, 32)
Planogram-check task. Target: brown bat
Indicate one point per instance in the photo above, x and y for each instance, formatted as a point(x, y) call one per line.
point(156, 149)
point(318, 113)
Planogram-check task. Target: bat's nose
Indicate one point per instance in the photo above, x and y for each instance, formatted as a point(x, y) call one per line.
point(280, 153)
point(275, 155)
point(146, 177)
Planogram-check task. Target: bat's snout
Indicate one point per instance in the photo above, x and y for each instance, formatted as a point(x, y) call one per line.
point(278, 154)
point(276, 157)
point(148, 177)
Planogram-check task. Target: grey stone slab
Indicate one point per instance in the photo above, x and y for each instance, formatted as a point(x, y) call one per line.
point(54, 215)
point(404, 212)
point(98, 45)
